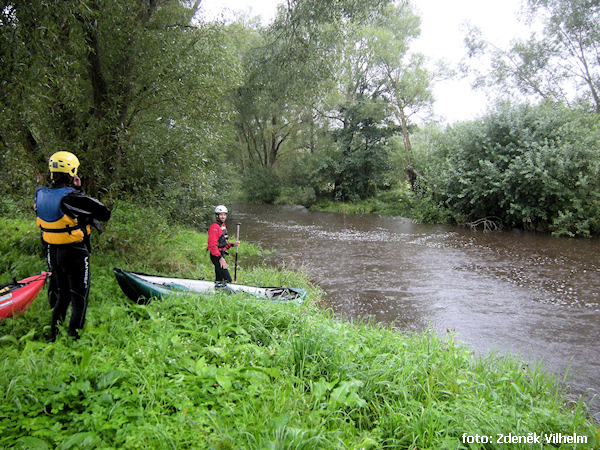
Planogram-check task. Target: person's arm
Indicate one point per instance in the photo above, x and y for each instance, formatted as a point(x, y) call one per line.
point(76, 205)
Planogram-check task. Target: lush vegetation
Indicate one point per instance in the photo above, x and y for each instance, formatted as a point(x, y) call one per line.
point(536, 168)
point(328, 104)
point(231, 372)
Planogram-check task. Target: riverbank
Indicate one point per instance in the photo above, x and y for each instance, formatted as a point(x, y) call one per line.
point(400, 202)
point(230, 372)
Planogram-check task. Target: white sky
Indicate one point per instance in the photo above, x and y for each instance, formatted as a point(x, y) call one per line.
point(442, 34)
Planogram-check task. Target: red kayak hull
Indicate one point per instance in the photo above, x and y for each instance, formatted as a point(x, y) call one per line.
point(15, 299)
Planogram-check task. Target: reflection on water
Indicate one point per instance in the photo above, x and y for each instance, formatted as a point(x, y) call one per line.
point(532, 295)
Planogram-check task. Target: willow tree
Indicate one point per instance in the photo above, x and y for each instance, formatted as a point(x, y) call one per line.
point(268, 101)
point(406, 82)
point(380, 86)
point(132, 87)
point(358, 118)
point(286, 69)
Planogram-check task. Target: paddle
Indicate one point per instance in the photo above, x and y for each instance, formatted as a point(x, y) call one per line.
point(237, 238)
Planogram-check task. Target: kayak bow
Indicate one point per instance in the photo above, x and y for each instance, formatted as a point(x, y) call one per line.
point(16, 297)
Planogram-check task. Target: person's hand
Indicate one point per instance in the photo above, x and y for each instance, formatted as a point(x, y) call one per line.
point(76, 181)
point(223, 263)
point(236, 243)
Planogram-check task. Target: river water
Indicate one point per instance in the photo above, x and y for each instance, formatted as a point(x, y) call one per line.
point(530, 295)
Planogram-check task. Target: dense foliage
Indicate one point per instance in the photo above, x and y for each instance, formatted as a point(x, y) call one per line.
point(321, 105)
point(232, 372)
point(536, 168)
point(129, 86)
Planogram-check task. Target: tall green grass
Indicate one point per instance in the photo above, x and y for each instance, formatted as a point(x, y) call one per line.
point(225, 371)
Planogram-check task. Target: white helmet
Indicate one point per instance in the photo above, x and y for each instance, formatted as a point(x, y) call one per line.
point(221, 209)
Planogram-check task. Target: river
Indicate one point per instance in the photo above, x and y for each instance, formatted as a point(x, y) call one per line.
point(531, 295)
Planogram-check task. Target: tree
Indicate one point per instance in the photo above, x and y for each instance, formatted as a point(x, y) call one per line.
point(131, 86)
point(406, 83)
point(380, 85)
point(268, 102)
point(364, 148)
point(359, 118)
point(561, 65)
point(286, 70)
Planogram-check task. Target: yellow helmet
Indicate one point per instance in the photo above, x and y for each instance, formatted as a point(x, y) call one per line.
point(64, 162)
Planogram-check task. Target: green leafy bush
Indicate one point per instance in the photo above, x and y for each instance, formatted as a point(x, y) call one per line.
point(261, 186)
point(531, 167)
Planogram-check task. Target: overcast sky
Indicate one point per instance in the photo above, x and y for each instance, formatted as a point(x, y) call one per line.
point(442, 33)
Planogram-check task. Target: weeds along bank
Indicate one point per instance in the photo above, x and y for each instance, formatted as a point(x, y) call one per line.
point(228, 372)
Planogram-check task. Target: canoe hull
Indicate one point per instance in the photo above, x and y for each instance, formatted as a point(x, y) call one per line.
point(141, 288)
point(16, 298)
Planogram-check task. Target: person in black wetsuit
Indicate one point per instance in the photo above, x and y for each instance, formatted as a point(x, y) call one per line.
point(65, 216)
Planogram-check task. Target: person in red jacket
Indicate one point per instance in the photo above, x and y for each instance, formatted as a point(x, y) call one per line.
point(218, 245)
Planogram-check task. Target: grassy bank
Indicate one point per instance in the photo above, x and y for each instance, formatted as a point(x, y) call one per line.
point(228, 372)
point(400, 201)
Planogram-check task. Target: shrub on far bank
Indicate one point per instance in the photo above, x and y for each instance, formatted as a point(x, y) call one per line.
point(532, 167)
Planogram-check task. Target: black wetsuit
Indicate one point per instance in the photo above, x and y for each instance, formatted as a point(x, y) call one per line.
point(64, 216)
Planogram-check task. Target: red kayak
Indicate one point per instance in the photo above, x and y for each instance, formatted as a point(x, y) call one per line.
point(16, 297)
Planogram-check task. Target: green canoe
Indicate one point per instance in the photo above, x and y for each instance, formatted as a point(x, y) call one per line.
point(141, 287)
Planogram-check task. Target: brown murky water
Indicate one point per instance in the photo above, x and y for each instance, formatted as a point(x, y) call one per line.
point(530, 295)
